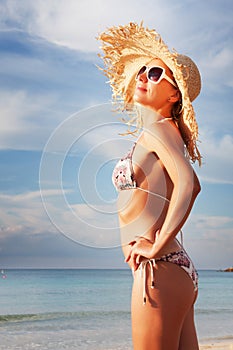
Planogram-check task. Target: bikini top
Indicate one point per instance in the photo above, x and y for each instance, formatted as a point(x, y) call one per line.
point(123, 177)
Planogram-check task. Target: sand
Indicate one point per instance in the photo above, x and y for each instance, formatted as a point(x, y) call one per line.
point(217, 346)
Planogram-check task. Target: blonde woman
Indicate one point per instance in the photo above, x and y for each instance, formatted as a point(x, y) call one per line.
point(156, 182)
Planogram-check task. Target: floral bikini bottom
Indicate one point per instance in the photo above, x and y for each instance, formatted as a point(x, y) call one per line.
point(179, 258)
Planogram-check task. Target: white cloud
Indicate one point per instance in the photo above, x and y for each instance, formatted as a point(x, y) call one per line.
point(72, 24)
point(22, 116)
point(223, 58)
point(35, 195)
point(204, 224)
point(19, 107)
point(75, 24)
point(90, 225)
point(23, 211)
point(15, 110)
point(209, 240)
point(217, 68)
point(217, 159)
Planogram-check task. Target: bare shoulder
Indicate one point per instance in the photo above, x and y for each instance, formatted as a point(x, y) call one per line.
point(164, 134)
point(165, 141)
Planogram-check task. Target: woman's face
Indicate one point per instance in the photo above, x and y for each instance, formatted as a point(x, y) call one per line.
point(155, 96)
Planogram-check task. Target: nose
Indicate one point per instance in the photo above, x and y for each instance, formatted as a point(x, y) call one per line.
point(143, 77)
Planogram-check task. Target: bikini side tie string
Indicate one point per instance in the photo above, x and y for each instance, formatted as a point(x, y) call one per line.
point(143, 269)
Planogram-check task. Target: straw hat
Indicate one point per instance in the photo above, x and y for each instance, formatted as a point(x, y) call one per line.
point(126, 49)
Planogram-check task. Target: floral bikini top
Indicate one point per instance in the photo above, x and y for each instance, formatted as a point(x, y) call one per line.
point(123, 174)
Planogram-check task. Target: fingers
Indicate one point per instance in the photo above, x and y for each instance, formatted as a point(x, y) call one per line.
point(131, 244)
point(137, 250)
point(128, 258)
point(133, 254)
point(138, 257)
point(134, 258)
point(136, 262)
point(157, 233)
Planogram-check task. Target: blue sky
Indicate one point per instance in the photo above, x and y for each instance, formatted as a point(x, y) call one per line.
point(59, 137)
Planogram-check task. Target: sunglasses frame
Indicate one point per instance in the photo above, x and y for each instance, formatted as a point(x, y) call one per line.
point(162, 76)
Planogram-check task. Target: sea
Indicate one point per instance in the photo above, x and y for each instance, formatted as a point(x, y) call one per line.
point(90, 309)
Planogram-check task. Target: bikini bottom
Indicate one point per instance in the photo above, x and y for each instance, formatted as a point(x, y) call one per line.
point(179, 258)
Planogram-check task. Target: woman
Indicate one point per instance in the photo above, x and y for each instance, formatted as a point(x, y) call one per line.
point(156, 86)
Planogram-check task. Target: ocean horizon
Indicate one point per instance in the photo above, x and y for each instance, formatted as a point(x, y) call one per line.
point(53, 309)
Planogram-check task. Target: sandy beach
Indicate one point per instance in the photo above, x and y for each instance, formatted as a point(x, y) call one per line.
point(217, 346)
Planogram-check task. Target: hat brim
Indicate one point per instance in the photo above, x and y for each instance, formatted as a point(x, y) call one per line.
point(126, 49)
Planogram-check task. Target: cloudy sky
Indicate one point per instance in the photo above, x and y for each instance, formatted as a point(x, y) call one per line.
point(59, 137)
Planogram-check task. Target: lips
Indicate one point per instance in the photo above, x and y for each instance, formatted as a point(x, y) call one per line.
point(141, 88)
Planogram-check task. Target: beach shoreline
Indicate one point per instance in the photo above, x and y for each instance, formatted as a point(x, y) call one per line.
point(217, 345)
point(82, 309)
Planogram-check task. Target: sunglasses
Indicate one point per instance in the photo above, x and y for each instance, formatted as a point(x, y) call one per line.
point(155, 74)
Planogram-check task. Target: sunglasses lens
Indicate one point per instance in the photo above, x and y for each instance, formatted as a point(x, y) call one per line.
point(141, 71)
point(155, 73)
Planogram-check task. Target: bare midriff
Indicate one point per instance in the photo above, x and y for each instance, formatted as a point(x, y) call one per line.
point(142, 213)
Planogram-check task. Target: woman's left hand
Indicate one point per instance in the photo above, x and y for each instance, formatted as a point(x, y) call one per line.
point(142, 248)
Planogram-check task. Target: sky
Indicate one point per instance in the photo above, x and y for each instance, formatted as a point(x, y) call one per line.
point(59, 138)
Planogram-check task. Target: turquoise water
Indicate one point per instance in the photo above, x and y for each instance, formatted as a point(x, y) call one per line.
point(90, 309)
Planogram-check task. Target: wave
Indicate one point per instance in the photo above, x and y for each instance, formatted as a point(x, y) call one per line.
point(89, 314)
point(213, 311)
point(12, 318)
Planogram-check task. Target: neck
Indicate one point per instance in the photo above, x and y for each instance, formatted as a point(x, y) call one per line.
point(149, 116)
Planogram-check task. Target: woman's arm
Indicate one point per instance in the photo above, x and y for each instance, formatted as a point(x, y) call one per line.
point(166, 143)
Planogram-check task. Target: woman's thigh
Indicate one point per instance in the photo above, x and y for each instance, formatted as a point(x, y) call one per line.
point(157, 325)
point(188, 337)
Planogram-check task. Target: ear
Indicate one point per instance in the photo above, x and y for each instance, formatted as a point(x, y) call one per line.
point(174, 97)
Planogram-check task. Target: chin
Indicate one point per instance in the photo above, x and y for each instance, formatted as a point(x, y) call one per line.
point(138, 99)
